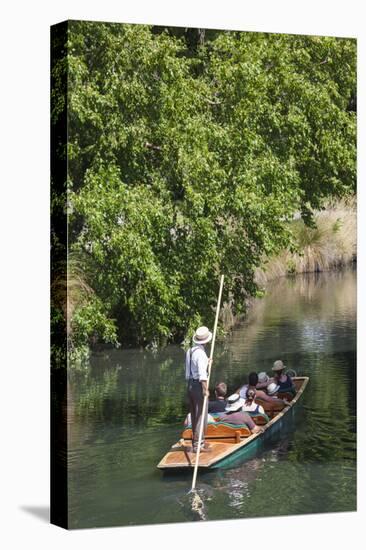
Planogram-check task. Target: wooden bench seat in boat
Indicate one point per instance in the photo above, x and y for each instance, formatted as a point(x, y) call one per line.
point(221, 430)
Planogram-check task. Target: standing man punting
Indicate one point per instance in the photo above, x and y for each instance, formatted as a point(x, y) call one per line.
point(197, 364)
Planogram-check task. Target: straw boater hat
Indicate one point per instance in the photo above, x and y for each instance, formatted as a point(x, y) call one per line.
point(278, 365)
point(234, 403)
point(272, 388)
point(202, 336)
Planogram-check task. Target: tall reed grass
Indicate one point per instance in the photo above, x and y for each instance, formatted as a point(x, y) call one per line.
point(329, 244)
point(69, 289)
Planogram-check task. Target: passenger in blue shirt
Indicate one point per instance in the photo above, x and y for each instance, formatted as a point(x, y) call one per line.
point(218, 404)
point(283, 380)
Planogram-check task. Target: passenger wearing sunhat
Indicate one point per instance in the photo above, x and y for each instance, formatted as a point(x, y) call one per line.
point(197, 364)
point(234, 413)
point(283, 380)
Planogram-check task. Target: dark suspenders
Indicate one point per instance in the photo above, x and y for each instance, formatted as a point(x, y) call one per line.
point(191, 351)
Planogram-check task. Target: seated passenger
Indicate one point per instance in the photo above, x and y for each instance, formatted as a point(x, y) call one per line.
point(188, 421)
point(252, 384)
point(250, 405)
point(283, 380)
point(263, 380)
point(260, 394)
point(234, 414)
point(218, 404)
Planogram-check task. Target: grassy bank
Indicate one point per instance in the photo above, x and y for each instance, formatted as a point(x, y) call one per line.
point(330, 244)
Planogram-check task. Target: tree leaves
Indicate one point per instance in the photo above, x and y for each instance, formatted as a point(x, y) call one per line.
point(188, 162)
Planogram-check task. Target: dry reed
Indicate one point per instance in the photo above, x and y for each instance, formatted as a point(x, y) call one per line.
point(330, 244)
point(69, 289)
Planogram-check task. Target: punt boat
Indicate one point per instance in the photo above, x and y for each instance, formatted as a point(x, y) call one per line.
point(229, 442)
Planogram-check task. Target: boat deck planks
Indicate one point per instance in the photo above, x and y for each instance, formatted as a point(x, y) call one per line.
point(183, 458)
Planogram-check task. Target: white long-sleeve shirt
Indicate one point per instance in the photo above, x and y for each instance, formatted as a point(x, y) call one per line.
point(196, 363)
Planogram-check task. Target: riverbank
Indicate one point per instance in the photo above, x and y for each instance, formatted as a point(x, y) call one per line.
point(330, 244)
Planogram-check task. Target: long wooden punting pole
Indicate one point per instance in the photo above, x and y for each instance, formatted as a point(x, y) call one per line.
point(208, 381)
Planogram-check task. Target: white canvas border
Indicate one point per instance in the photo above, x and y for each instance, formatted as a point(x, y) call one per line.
point(24, 272)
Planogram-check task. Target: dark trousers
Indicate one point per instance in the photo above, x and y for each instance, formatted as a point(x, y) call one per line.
point(195, 397)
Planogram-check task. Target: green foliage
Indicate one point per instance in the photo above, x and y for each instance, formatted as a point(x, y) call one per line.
point(186, 160)
point(90, 321)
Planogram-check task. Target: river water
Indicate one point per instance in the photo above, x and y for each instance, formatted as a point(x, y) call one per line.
point(127, 409)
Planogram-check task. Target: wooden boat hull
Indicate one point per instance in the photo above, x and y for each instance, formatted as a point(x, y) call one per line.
point(227, 450)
